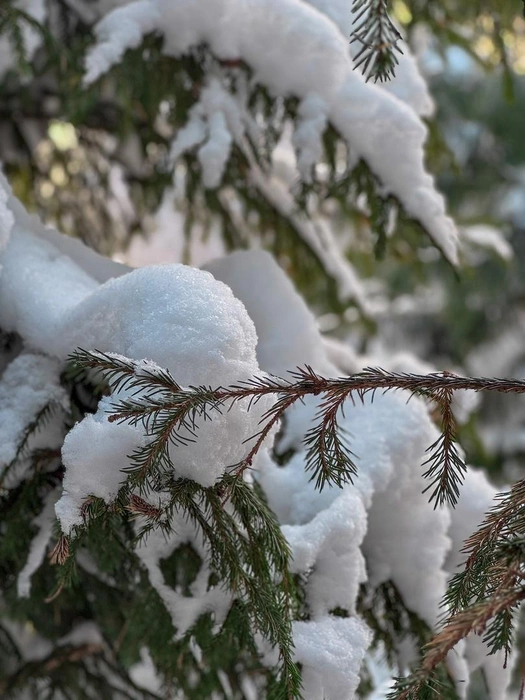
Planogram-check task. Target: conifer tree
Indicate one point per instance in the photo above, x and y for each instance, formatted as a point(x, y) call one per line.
point(201, 495)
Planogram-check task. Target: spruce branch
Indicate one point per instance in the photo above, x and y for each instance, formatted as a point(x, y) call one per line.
point(328, 455)
point(377, 38)
point(475, 618)
point(494, 566)
point(238, 528)
point(484, 597)
point(446, 468)
point(170, 413)
point(391, 621)
point(247, 550)
point(12, 19)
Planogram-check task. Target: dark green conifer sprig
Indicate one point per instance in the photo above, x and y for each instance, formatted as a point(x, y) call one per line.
point(70, 671)
point(483, 598)
point(492, 552)
point(378, 40)
point(328, 455)
point(284, 230)
point(12, 20)
point(446, 467)
point(390, 621)
point(485, 595)
point(169, 414)
point(474, 618)
point(247, 551)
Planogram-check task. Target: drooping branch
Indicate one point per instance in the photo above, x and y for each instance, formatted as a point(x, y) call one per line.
point(473, 619)
point(483, 598)
point(446, 467)
point(170, 414)
point(495, 553)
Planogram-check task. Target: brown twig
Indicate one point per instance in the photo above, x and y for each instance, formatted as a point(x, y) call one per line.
point(456, 628)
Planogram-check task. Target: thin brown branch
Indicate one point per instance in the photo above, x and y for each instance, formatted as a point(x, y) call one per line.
point(139, 507)
point(60, 551)
point(473, 619)
point(499, 518)
point(371, 379)
point(36, 669)
point(169, 413)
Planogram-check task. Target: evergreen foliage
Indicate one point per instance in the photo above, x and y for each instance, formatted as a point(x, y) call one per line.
point(483, 598)
point(93, 612)
point(377, 38)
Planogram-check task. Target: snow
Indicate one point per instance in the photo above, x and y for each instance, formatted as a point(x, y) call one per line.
point(7, 218)
point(390, 138)
point(15, 217)
point(144, 674)
point(214, 154)
point(96, 471)
point(28, 265)
point(294, 48)
point(389, 438)
point(28, 384)
point(259, 32)
point(213, 119)
point(192, 134)
point(213, 332)
point(331, 652)
point(315, 232)
point(330, 542)
point(405, 535)
point(178, 317)
point(188, 322)
point(307, 137)
point(133, 21)
point(408, 84)
point(339, 11)
point(83, 633)
point(487, 238)
point(342, 355)
point(239, 318)
point(167, 242)
point(44, 523)
point(384, 515)
point(184, 610)
point(175, 316)
point(287, 339)
point(32, 646)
